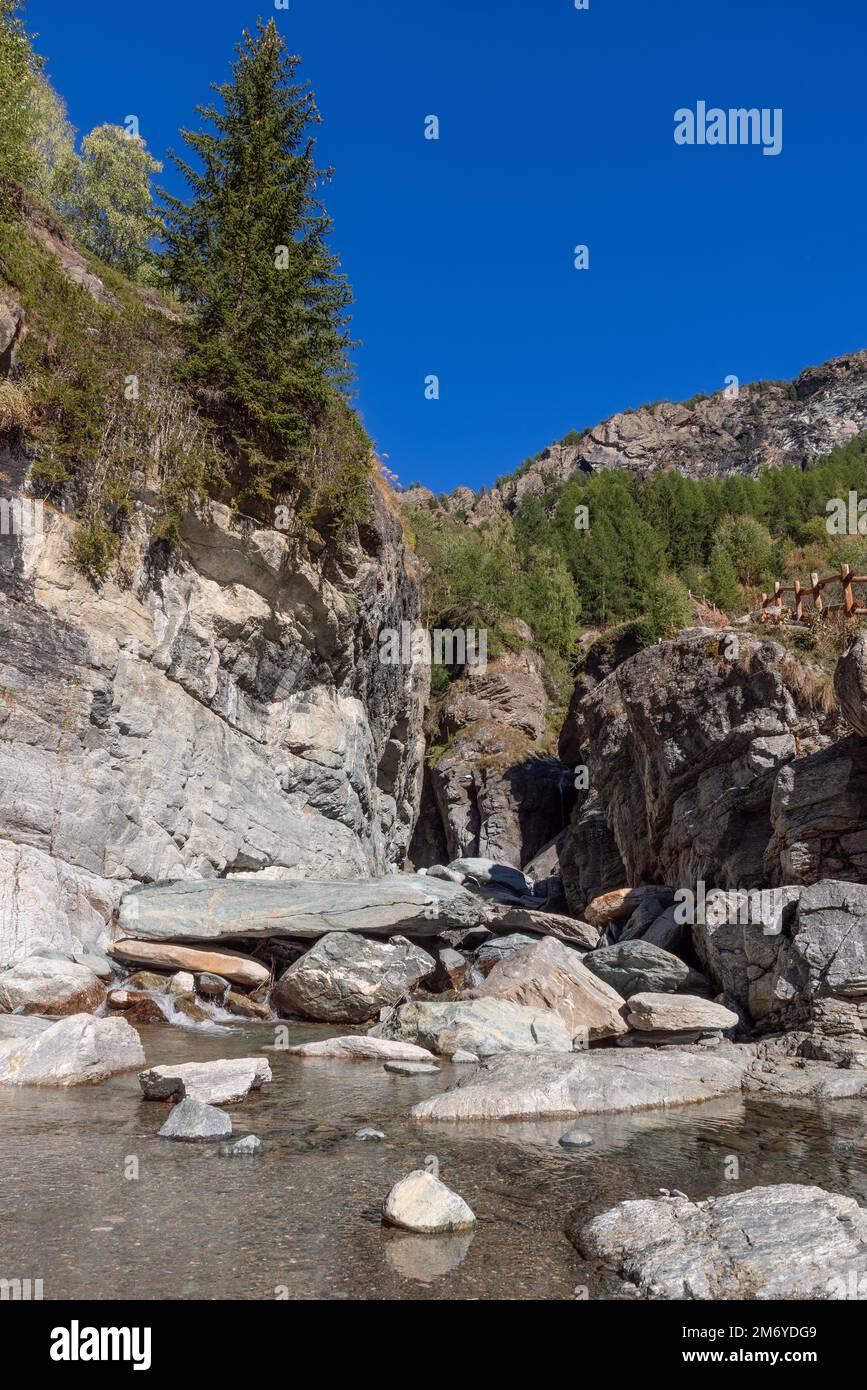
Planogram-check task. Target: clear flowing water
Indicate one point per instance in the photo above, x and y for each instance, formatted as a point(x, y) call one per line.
point(302, 1221)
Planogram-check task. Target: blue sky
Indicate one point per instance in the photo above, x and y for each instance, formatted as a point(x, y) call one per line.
point(556, 130)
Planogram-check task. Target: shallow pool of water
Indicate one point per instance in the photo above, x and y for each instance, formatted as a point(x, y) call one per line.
point(302, 1221)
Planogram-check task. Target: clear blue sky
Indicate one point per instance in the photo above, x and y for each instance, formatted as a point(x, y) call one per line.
point(556, 129)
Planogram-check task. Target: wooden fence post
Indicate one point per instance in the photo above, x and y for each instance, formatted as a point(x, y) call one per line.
point(846, 585)
point(799, 605)
point(817, 591)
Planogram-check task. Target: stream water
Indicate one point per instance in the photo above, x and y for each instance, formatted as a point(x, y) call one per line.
point(302, 1220)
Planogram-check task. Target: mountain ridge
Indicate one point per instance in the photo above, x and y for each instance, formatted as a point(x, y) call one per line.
point(741, 429)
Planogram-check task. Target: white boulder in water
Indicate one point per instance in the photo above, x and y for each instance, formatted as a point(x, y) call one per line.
point(421, 1203)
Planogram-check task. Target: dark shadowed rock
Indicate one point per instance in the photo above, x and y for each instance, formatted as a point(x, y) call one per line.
point(685, 741)
point(632, 967)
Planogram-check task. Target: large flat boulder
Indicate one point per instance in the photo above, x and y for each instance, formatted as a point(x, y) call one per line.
point(215, 1083)
point(47, 985)
point(207, 910)
point(238, 969)
point(76, 1051)
point(549, 975)
point(480, 1026)
point(345, 978)
point(533, 919)
point(601, 1082)
point(783, 1242)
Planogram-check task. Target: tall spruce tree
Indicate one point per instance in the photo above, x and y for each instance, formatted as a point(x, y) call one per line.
point(249, 254)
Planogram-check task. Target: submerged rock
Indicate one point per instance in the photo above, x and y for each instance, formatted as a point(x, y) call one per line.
point(548, 975)
point(250, 1146)
point(421, 1203)
point(367, 1134)
point(214, 1083)
point(48, 985)
point(412, 1068)
point(364, 1049)
point(588, 1083)
point(482, 1026)
point(783, 1242)
point(76, 1051)
point(575, 1139)
point(193, 1121)
point(347, 979)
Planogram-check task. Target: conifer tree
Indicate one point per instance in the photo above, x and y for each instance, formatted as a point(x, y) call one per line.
point(249, 254)
point(19, 69)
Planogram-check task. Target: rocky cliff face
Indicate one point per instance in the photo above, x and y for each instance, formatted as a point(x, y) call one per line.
point(771, 423)
point(220, 712)
point(494, 787)
point(690, 745)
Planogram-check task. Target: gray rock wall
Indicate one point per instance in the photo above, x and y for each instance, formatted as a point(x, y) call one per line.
point(223, 711)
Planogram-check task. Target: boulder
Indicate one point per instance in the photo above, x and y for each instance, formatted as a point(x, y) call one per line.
point(238, 969)
point(211, 986)
point(499, 948)
point(192, 1121)
point(47, 985)
point(607, 1081)
point(548, 975)
point(243, 1006)
point(807, 971)
point(619, 904)
point(633, 967)
point(187, 1006)
point(136, 1005)
point(148, 980)
point(345, 978)
point(207, 910)
point(182, 983)
point(673, 1013)
point(358, 1048)
point(215, 1083)
point(482, 1026)
point(531, 919)
point(817, 816)
point(488, 871)
point(76, 1051)
point(420, 1202)
point(768, 1243)
point(850, 685)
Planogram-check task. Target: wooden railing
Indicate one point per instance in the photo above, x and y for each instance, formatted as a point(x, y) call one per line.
point(813, 592)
